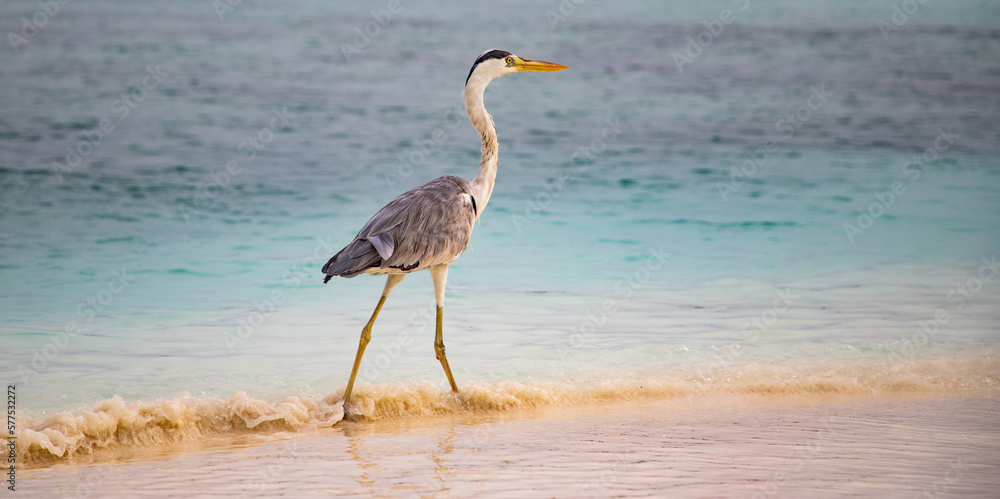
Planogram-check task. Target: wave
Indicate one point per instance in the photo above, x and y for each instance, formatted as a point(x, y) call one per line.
point(115, 424)
point(745, 224)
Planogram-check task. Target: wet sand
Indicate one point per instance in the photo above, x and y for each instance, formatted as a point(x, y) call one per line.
point(723, 446)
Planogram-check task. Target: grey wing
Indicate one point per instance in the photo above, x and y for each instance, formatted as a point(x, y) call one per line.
point(424, 226)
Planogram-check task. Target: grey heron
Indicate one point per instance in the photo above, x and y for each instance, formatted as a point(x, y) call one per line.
point(429, 226)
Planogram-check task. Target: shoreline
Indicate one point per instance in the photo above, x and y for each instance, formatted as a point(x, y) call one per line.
point(115, 426)
point(751, 445)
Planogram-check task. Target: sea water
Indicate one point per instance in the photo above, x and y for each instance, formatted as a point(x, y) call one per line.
point(723, 198)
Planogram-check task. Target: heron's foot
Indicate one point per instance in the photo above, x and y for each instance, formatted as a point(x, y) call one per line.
point(349, 414)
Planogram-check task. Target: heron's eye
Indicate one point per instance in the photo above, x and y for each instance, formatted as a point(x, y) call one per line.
point(510, 61)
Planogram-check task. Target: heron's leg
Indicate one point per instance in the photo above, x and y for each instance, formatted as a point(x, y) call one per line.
point(366, 332)
point(440, 274)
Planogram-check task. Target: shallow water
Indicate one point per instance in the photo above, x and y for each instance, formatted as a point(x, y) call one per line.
point(115, 427)
point(807, 198)
point(756, 446)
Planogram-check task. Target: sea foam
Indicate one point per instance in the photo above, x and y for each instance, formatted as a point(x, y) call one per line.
point(115, 424)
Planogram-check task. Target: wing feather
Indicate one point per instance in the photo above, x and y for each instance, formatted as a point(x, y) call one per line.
point(425, 226)
point(383, 244)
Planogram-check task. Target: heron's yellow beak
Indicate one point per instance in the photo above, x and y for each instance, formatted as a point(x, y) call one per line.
point(525, 65)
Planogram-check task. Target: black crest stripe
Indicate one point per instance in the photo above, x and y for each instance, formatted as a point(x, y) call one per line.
point(492, 54)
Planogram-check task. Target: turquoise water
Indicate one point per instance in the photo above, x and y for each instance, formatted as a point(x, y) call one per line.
point(645, 215)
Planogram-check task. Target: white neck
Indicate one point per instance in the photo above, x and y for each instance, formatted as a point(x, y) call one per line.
point(482, 185)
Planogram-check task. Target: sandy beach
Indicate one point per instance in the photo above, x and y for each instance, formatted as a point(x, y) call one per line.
point(904, 445)
point(736, 249)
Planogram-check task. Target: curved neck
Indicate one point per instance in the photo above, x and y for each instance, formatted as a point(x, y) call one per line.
point(482, 185)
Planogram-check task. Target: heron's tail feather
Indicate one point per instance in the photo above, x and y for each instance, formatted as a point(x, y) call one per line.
point(353, 260)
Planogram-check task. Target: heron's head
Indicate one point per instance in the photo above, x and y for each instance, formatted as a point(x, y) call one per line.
point(494, 63)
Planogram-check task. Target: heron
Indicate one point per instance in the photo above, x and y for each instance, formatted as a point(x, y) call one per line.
point(429, 226)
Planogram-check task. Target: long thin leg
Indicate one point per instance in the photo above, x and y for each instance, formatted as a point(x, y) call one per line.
point(440, 275)
point(366, 332)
